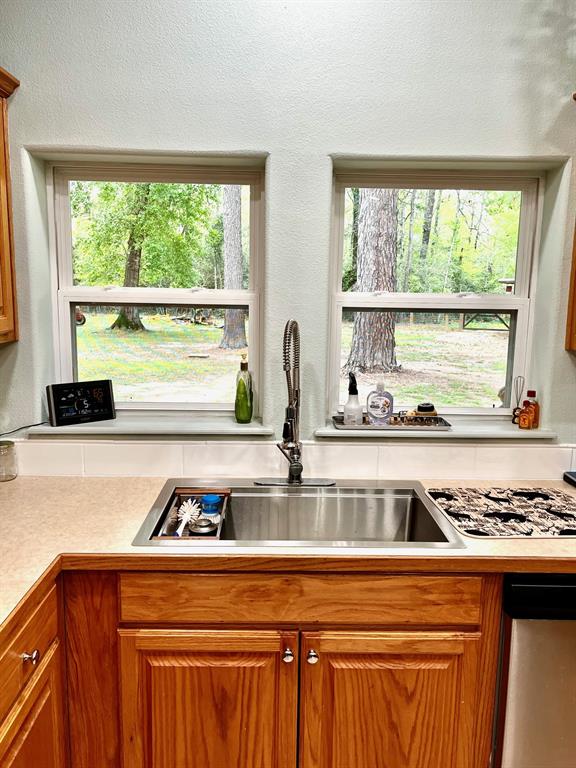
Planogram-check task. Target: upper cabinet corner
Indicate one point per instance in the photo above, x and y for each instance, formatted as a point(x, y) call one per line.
point(8, 314)
point(8, 84)
point(571, 324)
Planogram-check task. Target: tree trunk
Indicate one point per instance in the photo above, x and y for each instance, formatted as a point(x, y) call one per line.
point(355, 212)
point(128, 320)
point(426, 230)
point(129, 317)
point(234, 334)
point(408, 265)
point(427, 225)
point(434, 236)
point(449, 277)
point(373, 346)
point(400, 236)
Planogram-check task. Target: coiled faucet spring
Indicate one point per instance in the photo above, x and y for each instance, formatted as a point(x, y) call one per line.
point(290, 445)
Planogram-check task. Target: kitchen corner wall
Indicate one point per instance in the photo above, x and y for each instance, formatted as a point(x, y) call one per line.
point(301, 81)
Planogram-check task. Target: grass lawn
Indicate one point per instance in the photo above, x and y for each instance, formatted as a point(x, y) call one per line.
point(158, 364)
point(440, 363)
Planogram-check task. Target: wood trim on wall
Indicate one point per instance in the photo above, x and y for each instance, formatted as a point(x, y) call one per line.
point(8, 83)
point(571, 322)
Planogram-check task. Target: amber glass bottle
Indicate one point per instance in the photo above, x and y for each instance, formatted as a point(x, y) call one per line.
point(534, 406)
point(525, 418)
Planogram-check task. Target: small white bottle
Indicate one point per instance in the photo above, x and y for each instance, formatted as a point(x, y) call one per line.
point(353, 415)
point(379, 405)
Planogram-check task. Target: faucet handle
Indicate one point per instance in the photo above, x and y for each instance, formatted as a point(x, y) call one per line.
point(287, 432)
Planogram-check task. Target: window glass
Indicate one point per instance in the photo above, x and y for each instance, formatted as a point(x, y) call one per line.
point(430, 240)
point(451, 359)
point(162, 354)
point(161, 235)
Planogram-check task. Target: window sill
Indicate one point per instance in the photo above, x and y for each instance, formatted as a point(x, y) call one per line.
point(160, 424)
point(463, 428)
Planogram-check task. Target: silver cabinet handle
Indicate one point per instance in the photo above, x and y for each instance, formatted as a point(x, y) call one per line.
point(33, 657)
point(312, 657)
point(288, 656)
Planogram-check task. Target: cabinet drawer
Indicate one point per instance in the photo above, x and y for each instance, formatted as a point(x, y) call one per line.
point(38, 633)
point(298, 598)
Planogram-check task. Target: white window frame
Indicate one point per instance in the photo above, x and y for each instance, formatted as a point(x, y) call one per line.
point(532, 187)
point(66, 295)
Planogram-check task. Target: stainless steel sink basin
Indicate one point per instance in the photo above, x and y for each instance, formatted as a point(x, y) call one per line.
point(348, 515)
point(335, 516)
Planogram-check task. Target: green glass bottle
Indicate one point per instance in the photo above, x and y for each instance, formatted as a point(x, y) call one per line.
point(243, 403)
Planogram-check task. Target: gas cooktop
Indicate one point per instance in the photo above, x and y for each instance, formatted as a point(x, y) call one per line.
point(536, 512)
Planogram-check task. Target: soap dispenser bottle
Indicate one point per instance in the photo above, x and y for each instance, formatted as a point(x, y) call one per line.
point(243, 402)
point(379, 405)
point(353, 415)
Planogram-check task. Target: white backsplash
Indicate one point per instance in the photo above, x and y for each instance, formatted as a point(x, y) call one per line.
point(482, 461)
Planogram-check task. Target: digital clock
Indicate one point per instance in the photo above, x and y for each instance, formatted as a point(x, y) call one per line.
point(80, 402)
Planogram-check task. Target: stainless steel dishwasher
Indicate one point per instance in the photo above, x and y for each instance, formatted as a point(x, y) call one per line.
point(539, 720)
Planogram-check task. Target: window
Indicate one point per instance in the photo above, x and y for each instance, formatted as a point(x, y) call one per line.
point(431, 286)
point(158, 280)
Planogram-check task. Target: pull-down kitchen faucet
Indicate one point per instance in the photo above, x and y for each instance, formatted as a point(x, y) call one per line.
point(291, 447)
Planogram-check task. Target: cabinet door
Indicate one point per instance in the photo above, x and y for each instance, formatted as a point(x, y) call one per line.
point(32, 733)
point(388, 699)
point(7, 298)
point(208, 699)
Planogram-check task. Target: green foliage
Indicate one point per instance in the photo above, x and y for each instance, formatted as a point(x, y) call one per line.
point(177, 226)
point(473, 241)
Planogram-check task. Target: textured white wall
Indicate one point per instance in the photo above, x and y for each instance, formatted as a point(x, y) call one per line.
point(299, 80)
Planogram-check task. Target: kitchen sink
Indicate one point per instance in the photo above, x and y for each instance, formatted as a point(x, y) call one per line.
point(347, 515)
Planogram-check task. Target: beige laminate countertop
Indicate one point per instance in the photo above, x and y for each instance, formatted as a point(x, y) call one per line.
point(80, 522)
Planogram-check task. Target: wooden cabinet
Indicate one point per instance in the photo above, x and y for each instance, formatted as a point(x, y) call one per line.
point(8, 316)
point(32, 735)
point(300, 598)
point(387, 671)
point(571, 323)
point(236, 699)
point(208, 699)
point(381, 699)
point(37, 634)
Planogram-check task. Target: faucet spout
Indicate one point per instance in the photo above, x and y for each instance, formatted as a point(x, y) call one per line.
point(291, 446)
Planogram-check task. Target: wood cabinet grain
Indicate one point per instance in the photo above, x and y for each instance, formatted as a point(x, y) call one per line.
point(300, 598)
point(32, 735)
point(381, 699)
point(217, 699)
point(91, 622)
point(571, 321)
point(191, 669)
point(8, 312)
point(38, 633)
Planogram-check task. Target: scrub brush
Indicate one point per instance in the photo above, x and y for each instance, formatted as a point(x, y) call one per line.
point(190, 510)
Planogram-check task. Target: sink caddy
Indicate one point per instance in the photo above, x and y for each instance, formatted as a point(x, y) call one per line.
point(167, 528)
